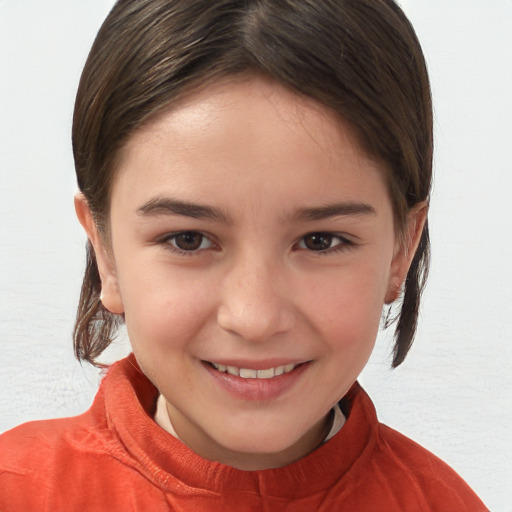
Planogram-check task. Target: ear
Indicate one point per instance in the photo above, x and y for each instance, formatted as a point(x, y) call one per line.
point(110, 294)
point(405, 249)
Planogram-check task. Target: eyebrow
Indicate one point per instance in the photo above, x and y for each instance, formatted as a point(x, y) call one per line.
point(169, 206)
point(335, 210)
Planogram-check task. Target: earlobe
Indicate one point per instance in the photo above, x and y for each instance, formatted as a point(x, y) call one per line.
point(110, 293)
point(406, 248)
point(393, 291)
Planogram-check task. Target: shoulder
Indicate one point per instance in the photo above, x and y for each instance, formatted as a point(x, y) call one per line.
point(36, 440)
point(418, 471)
point(40, 458)
point(405, 452)
point(40, 447)
point(397, 471)
point(77, 463)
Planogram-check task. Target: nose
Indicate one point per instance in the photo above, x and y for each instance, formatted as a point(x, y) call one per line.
point(256, 302)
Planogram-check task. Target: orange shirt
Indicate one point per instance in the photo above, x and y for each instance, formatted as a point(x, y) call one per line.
point(115, 457)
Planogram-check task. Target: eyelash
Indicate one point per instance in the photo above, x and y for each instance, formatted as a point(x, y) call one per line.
point(343, 243)
point(168, 239)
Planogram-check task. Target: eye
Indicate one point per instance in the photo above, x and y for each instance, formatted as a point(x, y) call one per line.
point(188, 241)
point(323, 242)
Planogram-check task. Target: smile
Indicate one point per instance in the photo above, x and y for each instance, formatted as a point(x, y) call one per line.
point(248, 373)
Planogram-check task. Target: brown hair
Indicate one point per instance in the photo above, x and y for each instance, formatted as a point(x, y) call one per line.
point(361, 58)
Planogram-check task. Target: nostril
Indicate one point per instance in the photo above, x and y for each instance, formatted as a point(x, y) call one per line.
point(255, 322)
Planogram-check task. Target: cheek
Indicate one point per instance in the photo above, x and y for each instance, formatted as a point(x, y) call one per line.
point(164, 310)
point(348, 309)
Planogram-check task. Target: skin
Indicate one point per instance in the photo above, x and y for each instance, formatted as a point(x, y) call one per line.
point(271, 167)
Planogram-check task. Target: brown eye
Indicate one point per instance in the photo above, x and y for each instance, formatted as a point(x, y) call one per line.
point(325, 243)
point(318, 241)
point(189, 241)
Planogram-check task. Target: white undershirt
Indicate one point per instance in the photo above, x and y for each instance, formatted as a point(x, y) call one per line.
point(162, 419)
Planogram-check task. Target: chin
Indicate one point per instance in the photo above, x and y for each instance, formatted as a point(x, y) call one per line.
point(268, 443)
point(260, 444)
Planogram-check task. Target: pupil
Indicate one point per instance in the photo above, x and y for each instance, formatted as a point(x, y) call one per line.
point(318, 242)
point(189, 241)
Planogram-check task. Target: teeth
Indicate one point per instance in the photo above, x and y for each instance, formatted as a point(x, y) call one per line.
point(247, 373)
point(279, 370)
point(265, 374)
point(232, 370)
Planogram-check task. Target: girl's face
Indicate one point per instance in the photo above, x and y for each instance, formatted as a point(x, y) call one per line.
point(252, 250)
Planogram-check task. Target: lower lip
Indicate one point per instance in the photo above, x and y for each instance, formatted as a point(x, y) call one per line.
point(256, 389)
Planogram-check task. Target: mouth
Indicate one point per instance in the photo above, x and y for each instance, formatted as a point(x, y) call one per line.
point(261, 382)
point(250, 373)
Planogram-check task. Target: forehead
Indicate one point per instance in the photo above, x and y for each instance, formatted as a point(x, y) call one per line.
point(252, 134)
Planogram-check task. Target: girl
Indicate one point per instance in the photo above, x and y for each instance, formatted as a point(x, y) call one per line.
point(254, 182)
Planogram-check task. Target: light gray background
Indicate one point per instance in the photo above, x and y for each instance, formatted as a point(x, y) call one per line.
point(453, 394)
